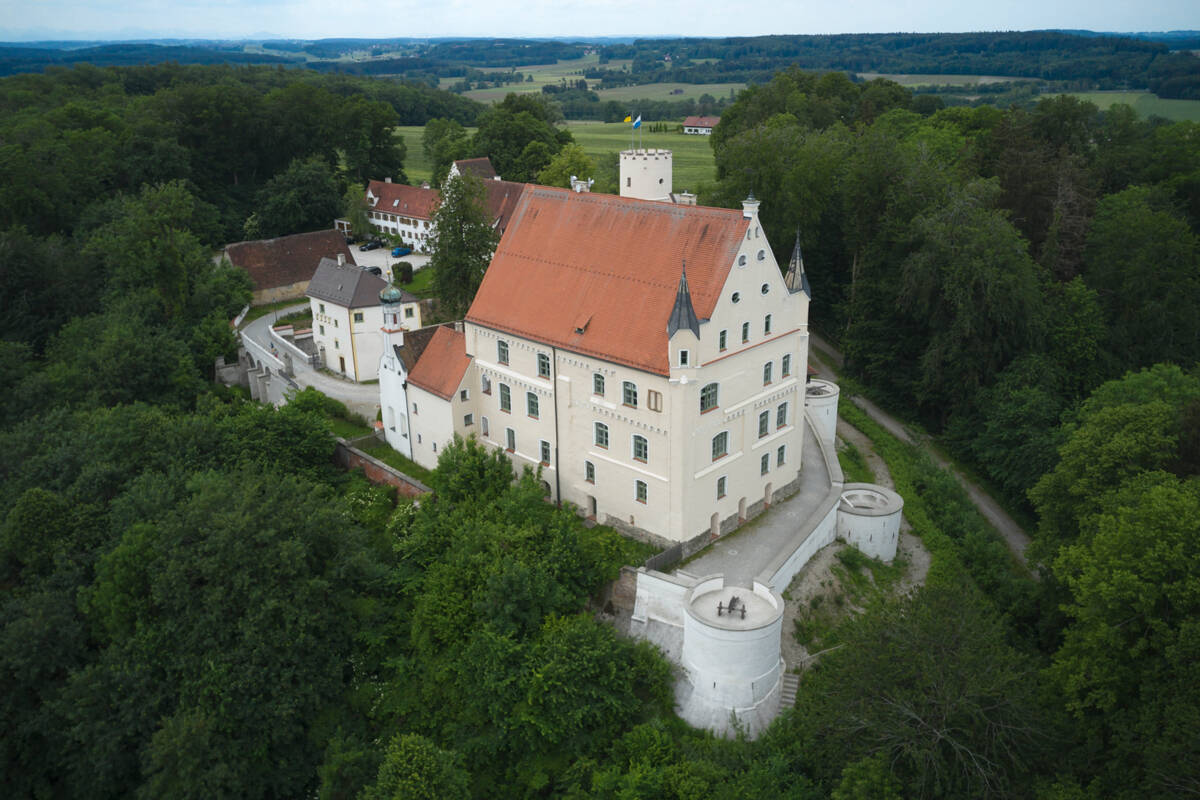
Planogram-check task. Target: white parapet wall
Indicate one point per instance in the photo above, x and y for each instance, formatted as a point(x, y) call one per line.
point(821, 402)
point(731, 653)
point(646, 174)
point(869, 518)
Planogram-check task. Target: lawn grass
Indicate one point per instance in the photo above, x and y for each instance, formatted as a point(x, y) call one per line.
point(347, 429)
point(422, 283)
point(1145, 104)
point(693, 160)
point(384, 452)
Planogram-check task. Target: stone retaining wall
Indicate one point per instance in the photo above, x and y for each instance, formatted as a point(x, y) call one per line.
point(348, 456)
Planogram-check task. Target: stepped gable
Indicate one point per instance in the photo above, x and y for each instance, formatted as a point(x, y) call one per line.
point(287, 260)
point(442, 364)
point(599, 274)
point(402, 200)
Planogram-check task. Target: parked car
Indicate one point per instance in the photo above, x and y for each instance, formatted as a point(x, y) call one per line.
point(369, 246)
point(374, 271)
point(400, 251)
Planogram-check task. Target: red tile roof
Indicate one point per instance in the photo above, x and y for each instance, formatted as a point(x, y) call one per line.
point(403, 200)
point(609, 265)
point(479, 167)
point(502, 197)
point(287, 260)
point(701, 122)
point(442, 364)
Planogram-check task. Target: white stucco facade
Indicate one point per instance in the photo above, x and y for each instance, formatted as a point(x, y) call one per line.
point(646, 174)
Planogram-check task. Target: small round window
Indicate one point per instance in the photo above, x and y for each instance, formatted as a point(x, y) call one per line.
point(762, 254)
point(741, 261)
point(736, 296)
point(765, 288)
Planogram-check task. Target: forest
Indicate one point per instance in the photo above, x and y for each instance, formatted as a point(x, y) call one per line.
point(194, 602)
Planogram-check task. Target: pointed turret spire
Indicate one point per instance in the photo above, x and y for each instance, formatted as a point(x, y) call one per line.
point(683, 314)
point(796, 279)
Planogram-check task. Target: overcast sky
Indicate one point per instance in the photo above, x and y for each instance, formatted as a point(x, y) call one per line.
point(314, 19)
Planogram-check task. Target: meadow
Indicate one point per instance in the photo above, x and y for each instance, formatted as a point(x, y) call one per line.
point(1146, 104)
point(693, 157)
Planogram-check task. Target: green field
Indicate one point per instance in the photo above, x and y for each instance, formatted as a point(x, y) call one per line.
point(543, 74)
point(663, 91)
point(939, 80)
point(693, 157)
point(1145, 104)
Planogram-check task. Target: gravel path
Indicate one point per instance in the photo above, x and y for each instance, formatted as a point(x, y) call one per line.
point(1014, 535)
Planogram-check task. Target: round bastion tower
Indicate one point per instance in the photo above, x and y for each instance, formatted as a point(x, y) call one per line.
point(646, 174)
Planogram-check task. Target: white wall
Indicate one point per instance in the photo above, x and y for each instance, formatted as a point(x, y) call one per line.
point(357, 345)
point(646, 174)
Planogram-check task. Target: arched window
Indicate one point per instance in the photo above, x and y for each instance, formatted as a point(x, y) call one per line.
point(629, 394)
point(641, 448)
point(767, 324)
point(600, 435)
point(708, 397)
point(720, 445)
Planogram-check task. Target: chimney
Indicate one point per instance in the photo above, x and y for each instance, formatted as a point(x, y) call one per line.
point(387, 180)
point(750, 207)
point(341, 259)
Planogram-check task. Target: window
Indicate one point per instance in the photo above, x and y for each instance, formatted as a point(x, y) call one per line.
point(764, 423)
point(485, 384)
point(683, 358)
point(721, 341)
point(337, 345)
point(483, 426)
point(641, 449)
point(628, 182)
point(761, 255)
point(435, 447)
point(785, 365)
point(505, 398)
point(720, 487)
point(322, 306)
point(589, 472)
point(781, 415)
point(767, 367)
point(654, 400)
point(545, 452)
point(468, 420)
point(358, 316)
point(766, 287)
point(414, 409)
point(502, 351)
point(629, 394)
point(600, 435)
point(741, 261)
point(531, 404)
point(767, 324)
point(639, 491)
point(745, 332)
point(598, 384)
point(322, 327)
point(464, 395)
point(335, 324)
point(543, 365)
point(510, 440)
point(408, 313)
point(708, 398)
point(720, 445)
point(781, 455)
point(764, 464)
point(735, 297)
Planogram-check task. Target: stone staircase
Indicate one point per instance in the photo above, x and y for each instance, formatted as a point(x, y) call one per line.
point(787, 693)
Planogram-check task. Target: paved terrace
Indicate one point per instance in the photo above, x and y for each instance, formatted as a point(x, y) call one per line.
point(741, 555)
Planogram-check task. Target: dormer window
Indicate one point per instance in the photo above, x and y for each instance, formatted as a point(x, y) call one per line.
point(395, 203)
point(683, 358)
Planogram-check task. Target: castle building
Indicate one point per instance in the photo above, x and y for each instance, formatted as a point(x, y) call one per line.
point(649, 358)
